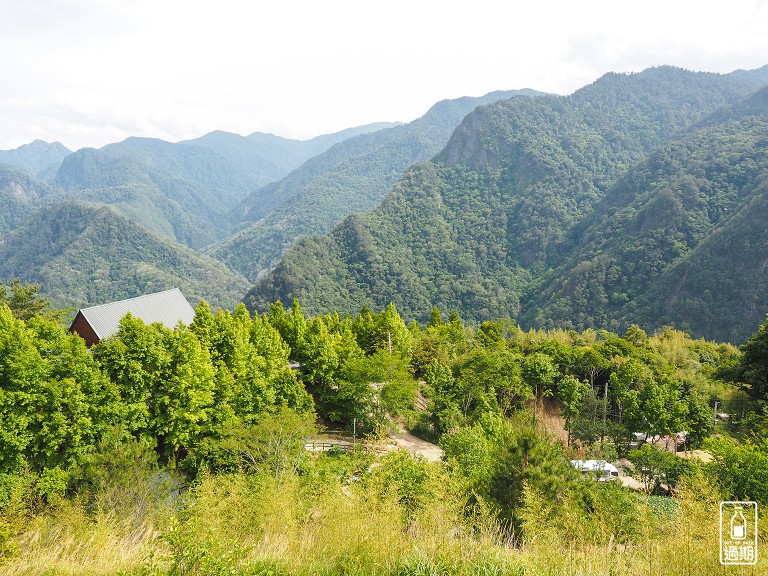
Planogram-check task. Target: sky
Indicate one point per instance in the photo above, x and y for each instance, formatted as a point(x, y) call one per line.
point(92, 72)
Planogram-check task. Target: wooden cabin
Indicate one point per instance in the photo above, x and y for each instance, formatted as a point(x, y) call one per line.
point(98, 322)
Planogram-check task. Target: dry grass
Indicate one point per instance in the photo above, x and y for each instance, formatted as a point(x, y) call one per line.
point(236, 525)
point(69, 542)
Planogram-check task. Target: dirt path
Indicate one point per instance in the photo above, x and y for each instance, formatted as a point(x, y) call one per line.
point(430, 452)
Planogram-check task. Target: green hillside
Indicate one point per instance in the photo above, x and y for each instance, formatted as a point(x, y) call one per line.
point(178, 191)
point(350, 177)
point(681, 240)
point(518, 188)
point(185, 191)
point(20, 195)
point(86, 254)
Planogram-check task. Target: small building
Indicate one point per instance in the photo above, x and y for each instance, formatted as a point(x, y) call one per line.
point(599, 470)
point(98, 322)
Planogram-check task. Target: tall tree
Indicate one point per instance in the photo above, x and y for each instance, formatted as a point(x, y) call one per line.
point(25, 300)
point(754, 363)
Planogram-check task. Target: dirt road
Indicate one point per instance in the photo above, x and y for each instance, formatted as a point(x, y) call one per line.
point(430, 452)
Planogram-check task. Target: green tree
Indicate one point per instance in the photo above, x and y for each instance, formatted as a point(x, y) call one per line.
point(489, 379)
point(391, 333)
point(135, 359)
point(490, 334)
point(753, 369)
point(54, 402)
point(390, 373)
point(443, 401)
point(274, 444)
point(25, 301)
point(291, 326)
point(468, 453)
point(182, 407)
point(741, 470)
point(523, 456)
point(657, 469)
point(539, 372)
point(571, 393)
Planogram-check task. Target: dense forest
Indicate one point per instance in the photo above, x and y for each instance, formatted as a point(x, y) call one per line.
point(88, 253)
point(184, 449)
point(602, 209)
point(352, 176)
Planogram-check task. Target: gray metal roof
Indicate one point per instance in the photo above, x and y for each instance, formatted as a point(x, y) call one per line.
point(168, 307)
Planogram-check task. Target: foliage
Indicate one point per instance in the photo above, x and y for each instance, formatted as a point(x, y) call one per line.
point(273, 445)
point(655, 467)
point(54, 400)
point(83, 254)
point(25, 301)
point(753, 369)
point(741, 470)
point(525, 457)
point(350, 177)
point(20, 196)
point(99, 467)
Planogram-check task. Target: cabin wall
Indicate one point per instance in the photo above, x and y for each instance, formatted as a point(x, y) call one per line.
point(81, 327)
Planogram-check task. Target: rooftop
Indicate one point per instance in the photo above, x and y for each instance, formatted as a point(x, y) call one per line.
point(168, 308)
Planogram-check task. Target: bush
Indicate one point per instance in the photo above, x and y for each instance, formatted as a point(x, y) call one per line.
point(741, 470)
point(658, 470)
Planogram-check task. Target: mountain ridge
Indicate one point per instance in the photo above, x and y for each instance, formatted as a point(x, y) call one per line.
point(86, 254)
point(353, 175)
point(40, 158)
point(501, 205)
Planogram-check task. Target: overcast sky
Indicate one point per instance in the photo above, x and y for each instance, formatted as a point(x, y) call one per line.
point(91, 72)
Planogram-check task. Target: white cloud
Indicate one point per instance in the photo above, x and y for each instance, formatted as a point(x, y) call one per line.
point(89, 72)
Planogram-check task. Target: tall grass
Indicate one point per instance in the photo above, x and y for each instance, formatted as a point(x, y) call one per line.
point(240, 524)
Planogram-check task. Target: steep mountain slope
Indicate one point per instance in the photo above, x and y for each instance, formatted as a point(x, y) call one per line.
point(39, 158)
point(501, 205)
point(20, 195)
point(183, 191)
point(86, 254)
point(179, 191)
point(680, 240)
point(350, 177)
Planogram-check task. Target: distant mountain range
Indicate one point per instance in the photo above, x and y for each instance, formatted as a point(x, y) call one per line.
point(639, 199)
point(159, 194)
point(39, 158)
point(267, 157)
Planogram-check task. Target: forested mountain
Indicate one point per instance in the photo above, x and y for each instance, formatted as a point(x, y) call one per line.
point(20, 195)
point(184, 191)
point(85, 254)
point(352, 176)
point(39, 158)
point(179, 191)
point(520, 186)
point(680, 240)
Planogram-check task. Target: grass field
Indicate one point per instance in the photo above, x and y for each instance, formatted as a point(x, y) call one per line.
point(343, 515)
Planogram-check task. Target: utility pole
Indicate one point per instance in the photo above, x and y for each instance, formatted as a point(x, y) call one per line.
point(714, 423)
